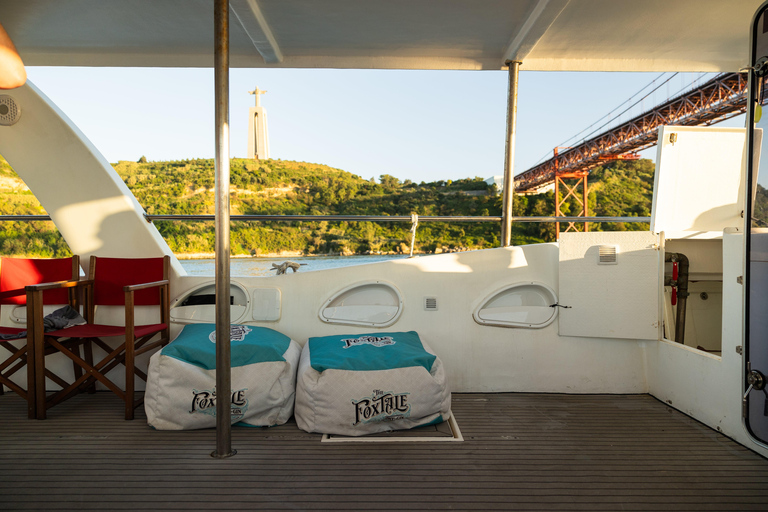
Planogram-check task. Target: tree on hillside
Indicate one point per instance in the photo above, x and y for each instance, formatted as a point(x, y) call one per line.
point(389, 182)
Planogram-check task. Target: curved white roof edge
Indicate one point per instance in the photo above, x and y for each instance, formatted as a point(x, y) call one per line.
point(93, 209)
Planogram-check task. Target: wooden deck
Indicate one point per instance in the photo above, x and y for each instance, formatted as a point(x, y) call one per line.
point(520, 452)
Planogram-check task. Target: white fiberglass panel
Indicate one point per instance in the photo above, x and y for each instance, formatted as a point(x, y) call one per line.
point(609, 301)
point(698, 184)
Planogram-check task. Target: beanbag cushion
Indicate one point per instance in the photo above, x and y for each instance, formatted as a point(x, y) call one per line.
point(181, 381)
point(364, 383)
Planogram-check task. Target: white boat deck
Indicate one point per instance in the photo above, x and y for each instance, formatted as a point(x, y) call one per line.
point(520, 452)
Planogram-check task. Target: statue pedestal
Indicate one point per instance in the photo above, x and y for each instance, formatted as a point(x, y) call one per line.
point(258, 138)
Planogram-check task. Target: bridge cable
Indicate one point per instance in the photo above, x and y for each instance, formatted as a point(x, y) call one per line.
point(547, 155)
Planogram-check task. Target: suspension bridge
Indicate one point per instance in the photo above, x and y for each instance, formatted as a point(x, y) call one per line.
point(718, 99)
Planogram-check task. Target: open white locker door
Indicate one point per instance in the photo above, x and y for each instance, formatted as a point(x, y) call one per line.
point(698, 188)
point(609, 285)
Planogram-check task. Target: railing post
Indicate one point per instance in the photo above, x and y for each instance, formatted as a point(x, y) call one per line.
point(557, 203)
point(414, 225)
point(223, 353)
point(585, 194)
point(509, 158)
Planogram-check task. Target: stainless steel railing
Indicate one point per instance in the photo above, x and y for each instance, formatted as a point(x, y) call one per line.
point(355, 218)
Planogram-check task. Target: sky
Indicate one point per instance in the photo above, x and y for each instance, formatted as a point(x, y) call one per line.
point(416, 125)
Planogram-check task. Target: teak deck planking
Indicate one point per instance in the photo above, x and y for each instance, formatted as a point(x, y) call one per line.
point(520, 452)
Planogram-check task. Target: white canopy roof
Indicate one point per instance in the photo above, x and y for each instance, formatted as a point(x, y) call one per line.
point(595, 35)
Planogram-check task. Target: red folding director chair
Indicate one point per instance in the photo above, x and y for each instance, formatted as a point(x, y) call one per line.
point(125, 283)
point(15, 275)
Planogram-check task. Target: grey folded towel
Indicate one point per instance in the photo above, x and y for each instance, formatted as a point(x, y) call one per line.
point(62, 318)
point(59, 319)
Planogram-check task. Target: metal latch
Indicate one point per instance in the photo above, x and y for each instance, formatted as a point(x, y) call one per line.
point(756, 381)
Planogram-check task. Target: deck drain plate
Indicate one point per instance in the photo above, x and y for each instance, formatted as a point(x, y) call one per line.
point(445, 431)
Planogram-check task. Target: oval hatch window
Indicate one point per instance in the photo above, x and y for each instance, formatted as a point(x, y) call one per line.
point(198, 305)
point(527, 305)
point(376, 304)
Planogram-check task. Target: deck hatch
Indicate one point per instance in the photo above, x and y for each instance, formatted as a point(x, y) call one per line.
point(442, 432)
point(373, 303)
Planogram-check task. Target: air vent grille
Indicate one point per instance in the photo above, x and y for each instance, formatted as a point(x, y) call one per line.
point(10, 112)
point(430, 303)
point(608, 255)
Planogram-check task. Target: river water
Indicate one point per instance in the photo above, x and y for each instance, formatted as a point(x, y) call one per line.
point(246, 267)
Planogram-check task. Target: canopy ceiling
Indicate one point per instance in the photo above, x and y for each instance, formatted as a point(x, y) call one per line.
point(596, 35)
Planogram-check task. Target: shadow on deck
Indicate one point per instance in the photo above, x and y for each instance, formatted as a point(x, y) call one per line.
point(520, 452)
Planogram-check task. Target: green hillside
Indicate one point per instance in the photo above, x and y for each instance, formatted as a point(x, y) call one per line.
point(285, 187)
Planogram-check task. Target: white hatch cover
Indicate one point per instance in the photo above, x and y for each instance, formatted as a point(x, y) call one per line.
point(198, 305)
point(375, 304)
point(620, 300)
point(698, 184)
point(528, 305)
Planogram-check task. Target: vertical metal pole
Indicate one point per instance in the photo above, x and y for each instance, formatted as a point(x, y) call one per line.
point(509, 159)
point(585, 193)
point(557, 204)
point(223, 353)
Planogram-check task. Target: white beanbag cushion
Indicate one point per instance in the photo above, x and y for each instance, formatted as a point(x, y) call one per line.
point(181, 381)
point(360, 384)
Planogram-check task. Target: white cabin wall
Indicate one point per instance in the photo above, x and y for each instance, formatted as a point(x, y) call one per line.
point(701, 385)
point(477, 358)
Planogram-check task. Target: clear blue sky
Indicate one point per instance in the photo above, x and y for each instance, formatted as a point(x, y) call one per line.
point(417, 125)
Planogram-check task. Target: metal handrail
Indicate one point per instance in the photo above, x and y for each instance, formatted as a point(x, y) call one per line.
point(356, 218)
point(338, 218)
point(395, 218)
point(581, 219)
point(10, 218)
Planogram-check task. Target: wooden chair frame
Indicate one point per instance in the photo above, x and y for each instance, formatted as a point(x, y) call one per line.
point(24, 355)
point(124, 354)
